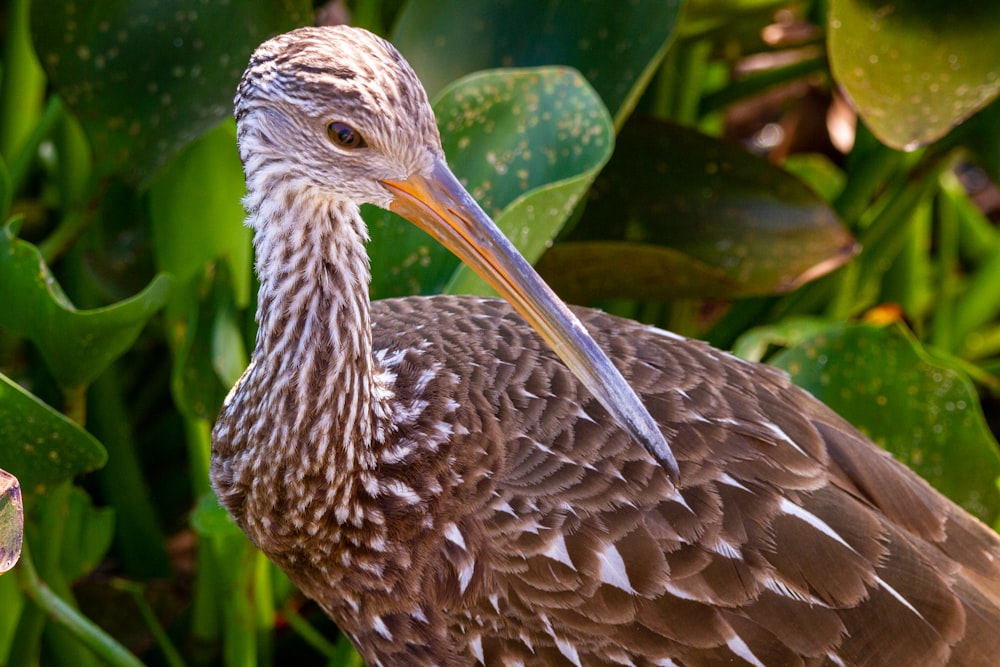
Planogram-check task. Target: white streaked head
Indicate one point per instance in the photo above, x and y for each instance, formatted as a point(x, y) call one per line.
point(329, 112)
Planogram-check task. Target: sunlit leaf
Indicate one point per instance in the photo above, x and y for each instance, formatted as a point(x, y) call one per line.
point(698, 217)
point(146, 78)
point(915, 69)
point(446, 39)
point(39, 445)
point(754, 344)
point(77, 345)
point(11, 521)
point(526, 143)
point(920, 408)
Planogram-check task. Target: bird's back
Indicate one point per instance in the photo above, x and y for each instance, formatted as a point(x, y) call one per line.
point(792, 539)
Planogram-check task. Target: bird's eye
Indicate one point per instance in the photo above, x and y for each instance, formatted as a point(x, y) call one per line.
point(344, 135)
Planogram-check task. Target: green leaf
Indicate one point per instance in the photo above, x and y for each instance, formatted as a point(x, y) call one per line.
point(753, 345)
point(526, 143)
point(39, 445)
point(919, 407)
point(210, 519)
point(616, 46)
point(146, 78)
point(678, 213)
point(915, 69)
point(11, 521)
point(77, 345)
point(196, 212)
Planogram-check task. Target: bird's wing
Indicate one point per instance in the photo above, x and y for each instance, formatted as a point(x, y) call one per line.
point(792, 539)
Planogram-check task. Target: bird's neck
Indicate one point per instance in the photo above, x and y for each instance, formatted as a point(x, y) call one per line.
point(314, 343)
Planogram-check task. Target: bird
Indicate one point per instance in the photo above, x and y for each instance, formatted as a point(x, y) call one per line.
point(451, 479)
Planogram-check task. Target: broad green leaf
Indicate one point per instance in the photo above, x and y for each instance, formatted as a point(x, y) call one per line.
point(11, 521)
point(196, 211)
point(39, 445)
point(526, 143)
point(616, 46)
point(77, 345)
point(915, 69)
point(920, 408)
point(697, 217)
point(145, 78)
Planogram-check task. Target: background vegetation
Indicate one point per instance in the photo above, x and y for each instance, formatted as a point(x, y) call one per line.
point(701, 165)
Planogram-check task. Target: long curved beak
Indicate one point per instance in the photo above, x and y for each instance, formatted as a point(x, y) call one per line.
point(438, 204)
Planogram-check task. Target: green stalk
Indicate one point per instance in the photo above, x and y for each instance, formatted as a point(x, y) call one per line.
point(693, 63)
point(865, 178)
point(239, 631)
point(304, 629)
point(138, 537)
point(884, 238)
point(198, 434)
point(757, 83)
point(57, 525)
point(882, 222)
point(264, 606)
point(908, 279)
point(207, 599)
point(171, 655)
point(90, 635)
point(23, 159)
point(942, 318)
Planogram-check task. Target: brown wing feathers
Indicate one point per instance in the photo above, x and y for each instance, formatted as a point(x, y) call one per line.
point(793, 541)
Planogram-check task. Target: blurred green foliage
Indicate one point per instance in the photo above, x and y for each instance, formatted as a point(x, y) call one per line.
point(850, 240)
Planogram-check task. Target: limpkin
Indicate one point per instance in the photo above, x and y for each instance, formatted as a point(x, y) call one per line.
point(441, 483)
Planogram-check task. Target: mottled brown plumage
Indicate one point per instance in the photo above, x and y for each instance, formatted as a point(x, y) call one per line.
point(441, 483)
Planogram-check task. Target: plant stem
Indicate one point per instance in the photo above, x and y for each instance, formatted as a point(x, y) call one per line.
point(170, 653)
point(22, 160)
point(81, 627)
point(304, 629)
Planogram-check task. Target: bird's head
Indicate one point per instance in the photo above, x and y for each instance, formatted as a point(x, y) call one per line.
point(333, 112)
